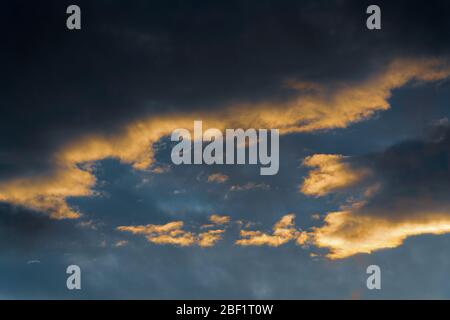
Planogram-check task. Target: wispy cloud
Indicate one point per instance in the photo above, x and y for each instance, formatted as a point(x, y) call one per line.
point(218, 219)
point(217, 178)
point(250, 186)
point(172, 233)
point(282, 232)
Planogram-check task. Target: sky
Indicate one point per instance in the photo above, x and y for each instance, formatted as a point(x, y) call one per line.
point(86, 176)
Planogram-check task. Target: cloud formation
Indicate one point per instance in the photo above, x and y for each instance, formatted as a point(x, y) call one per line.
point(217, 177)
point(332, 174)
point(172, 233)
point(347, 233)
point(282, 232)
point(250, 186)
point(406, 196)
point(47, 193)
point(218, 219)
point(336, 106)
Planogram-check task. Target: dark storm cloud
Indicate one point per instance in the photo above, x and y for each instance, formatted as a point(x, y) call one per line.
point(142, 57)
point(24, 232)
point(414, 176)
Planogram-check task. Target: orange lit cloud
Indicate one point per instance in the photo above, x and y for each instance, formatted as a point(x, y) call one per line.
point(318, 108)
point(209, 238)
point(218, 219)
point(218, 178)
point(332, 174)
point(173, 234)
point(47, 193)
point(347, 233)
point(283, 232)
point(344, 233)
point(215, 220)
point(153, 228)
point(344, 104)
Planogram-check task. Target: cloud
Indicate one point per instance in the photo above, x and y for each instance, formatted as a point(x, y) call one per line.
point(173, 234)
point(250, 186)
point(169, 233)
point(342, 104)
point(161, 169)
point(120, 243)
point(47, 193)
point(89, 224)
point(215, 220)
point(218, 219)
point(347, 233)
point(153, 228)
point(406, 196)
point(217, 177)
point(177, 237)
point(209, 238)
point(283, 232)
point(335, 106)
point(332, 174)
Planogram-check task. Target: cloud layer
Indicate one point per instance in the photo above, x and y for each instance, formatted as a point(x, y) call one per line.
point(325, 108)
point(405, 196)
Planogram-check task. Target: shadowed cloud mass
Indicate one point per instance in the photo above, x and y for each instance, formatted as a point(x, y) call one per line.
point(405, 196)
